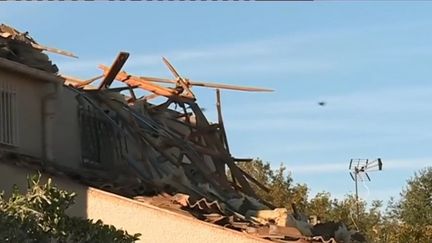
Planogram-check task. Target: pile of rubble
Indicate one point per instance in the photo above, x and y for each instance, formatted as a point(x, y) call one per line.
point(187, 158)
point(174, 157)
point(20, 47)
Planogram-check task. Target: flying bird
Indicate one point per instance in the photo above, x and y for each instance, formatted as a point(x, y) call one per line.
point(321, 103)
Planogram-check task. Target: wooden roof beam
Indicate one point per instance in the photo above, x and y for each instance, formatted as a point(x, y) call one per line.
point(146, 85)
point(115, 68)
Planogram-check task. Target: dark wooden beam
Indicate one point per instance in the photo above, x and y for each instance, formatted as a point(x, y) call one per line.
point(114, 70)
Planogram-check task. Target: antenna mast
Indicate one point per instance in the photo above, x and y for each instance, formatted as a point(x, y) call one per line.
point(358, 171)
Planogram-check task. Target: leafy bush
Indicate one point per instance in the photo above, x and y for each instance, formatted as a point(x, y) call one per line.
point(39, 216)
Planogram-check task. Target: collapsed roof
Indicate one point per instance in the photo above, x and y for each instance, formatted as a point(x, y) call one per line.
point(185, 159)
point(20, 47)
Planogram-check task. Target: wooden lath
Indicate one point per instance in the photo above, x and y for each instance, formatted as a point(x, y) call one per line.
point(204, 142)
point(180, 93)
point(149, 86)
point(11, 33)
point(207, 84)
point(79, 83)
point(186, 83)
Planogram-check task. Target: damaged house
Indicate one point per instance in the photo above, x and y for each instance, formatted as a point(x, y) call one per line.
point(158, 149)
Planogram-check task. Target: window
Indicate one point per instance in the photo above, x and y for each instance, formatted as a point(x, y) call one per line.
point(8, 114)
point(100, 144)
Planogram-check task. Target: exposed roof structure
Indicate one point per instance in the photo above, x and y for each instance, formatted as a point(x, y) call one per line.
point(184, 163)
point(20, 47)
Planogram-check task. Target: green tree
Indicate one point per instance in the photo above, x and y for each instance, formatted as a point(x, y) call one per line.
point(262, 172)
point(389, 228)
point(407, 220)
point(414, 211)
point(280, 188)
point(39, 216)
point(416, 203)
point(299, 196)
point(345, 211)
point(321, 206)
point(280, 183)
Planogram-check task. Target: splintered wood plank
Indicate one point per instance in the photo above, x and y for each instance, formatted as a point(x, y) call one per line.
point(231, 87)
point(208, 85)
point(132, 93)
point(223, 138)
point(180, 81)
point(115, 68)
point(78, 83)
point(252, 179)
point(215, 143)
point(53, 50)
point(146, 85)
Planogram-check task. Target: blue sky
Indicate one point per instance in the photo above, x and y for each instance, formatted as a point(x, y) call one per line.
point(369, 61)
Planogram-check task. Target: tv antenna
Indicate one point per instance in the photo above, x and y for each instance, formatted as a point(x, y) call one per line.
point(358, 171)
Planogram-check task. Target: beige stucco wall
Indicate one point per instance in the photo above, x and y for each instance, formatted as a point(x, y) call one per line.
point(29, 109)
point(67, 142)
point(64, 133)
point(41, 100)
point(155, 224)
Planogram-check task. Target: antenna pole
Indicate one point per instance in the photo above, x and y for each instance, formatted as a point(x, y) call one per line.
point(356, 195)
point(363, 166)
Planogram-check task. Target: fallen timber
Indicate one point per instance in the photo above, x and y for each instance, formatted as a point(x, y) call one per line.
point(167, 153)
point(187, 157)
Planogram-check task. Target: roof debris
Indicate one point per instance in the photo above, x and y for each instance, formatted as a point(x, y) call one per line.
point(20, 47)
point(184, 159)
